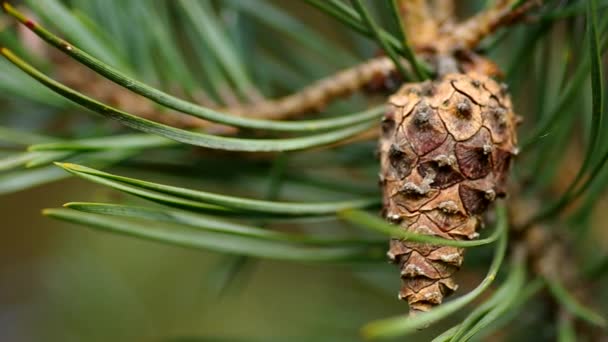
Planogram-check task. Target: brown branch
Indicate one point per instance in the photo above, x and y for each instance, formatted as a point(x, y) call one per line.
point(467, 34)
point(315, 96)
point(420, 26)
point(422, 29)
point(312, 98)
point(444, 11)
point(550, 253)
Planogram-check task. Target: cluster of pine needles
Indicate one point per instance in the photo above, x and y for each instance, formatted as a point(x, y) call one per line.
point(191, 66)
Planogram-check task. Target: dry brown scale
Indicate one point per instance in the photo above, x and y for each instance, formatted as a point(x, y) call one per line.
point(445, 151)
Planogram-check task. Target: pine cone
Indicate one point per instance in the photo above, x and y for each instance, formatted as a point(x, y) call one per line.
point(445, 152)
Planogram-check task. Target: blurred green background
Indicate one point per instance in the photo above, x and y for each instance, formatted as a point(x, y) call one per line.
point(62, 282)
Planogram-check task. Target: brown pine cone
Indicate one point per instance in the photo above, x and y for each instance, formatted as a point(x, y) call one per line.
point(445, 151)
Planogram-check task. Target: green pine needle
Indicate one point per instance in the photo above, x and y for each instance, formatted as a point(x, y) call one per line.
point(210, 202)
point(402, 325)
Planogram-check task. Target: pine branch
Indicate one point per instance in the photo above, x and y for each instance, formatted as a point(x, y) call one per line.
point(468, 34)
point(420, 25)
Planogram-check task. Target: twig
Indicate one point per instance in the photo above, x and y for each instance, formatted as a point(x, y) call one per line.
point(311, 98)
point(409, 53)
point(550, 257)
point(418, 17)
point(420, 26)
point(444, 12)
point(469, 33)
point(315, 96)
point(375, 29)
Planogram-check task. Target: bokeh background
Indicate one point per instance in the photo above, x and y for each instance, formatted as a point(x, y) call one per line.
point(62, 282)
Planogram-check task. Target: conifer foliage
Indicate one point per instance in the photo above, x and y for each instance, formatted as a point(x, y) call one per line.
point(248, 127)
